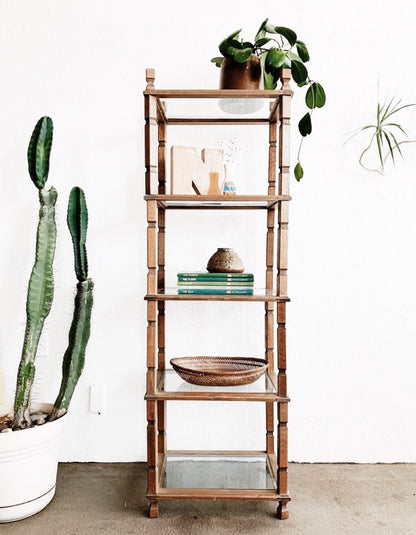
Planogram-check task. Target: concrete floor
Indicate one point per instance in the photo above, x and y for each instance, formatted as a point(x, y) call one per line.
point(326, 499)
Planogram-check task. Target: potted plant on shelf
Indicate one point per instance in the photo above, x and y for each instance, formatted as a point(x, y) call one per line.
point(28, 450)
point(258, 65)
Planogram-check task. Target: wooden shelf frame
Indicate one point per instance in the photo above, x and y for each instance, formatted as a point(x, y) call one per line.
point(274, 296)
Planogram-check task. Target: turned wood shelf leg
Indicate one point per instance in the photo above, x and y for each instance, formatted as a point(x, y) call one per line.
point(282, 511)
point(153, 509)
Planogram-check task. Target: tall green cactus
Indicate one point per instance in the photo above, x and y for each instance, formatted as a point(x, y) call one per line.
point(40, 290)
point(41, 286)
point(73, 362)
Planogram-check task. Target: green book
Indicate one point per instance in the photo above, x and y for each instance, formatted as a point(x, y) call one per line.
point(217, 282)
point(206, 276)
point(216, 291)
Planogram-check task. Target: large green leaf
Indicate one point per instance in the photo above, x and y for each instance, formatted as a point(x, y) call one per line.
point(320, 95)
point(261, 32)
point(275, 58)
point(268, 79)
point(315, 96)
point(292, 55)
point(39, 150)
point(289, 34)
point(298, 171)
point(299, 71)
point(240, 56)
point(262, 41)
point(226, 43)
point(305, 125)
point(302, 51)
point(217, 61)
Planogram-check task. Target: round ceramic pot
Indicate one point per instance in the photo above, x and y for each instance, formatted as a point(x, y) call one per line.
point(28, 468)
point(225, 260)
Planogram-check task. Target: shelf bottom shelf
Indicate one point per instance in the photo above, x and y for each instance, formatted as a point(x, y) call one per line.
point(249, 476)
point(217, 472)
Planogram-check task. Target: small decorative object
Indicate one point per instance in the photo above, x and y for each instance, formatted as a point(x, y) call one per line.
point(213, 162)
point(190, 172)
point(228, 187)
point(230, 149)
point(219, 371)
point(277, 55)
point(225, 260)
point(183, 161)
point(214, 188)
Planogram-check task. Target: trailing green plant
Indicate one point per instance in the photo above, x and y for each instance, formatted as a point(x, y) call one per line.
point(278, 48)
point(41, 284)
point(384, 134)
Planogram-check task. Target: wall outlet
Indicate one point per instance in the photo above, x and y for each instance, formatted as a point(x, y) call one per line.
point(97, 398)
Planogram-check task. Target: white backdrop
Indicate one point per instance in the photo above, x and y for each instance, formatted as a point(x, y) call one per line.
point(351, 335)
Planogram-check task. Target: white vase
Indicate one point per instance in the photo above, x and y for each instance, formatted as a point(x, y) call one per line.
point(228, 186)
point(28, 468)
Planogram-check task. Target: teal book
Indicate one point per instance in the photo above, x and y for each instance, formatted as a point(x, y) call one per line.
point(227, 283)
point(206, 276)
point(215, 291)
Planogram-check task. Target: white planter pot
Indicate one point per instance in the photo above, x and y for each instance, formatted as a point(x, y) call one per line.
point(28, 467)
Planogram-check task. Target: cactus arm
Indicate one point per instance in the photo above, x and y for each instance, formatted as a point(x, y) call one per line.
point(39, 151)
point(79, 333)
point(38, 304)
point(77, 220)
point(74, 358)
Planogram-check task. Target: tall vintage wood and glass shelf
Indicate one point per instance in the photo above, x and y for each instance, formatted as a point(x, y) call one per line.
point(266, 478)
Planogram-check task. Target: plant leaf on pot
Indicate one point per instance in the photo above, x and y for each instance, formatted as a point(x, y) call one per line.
point(305, 125)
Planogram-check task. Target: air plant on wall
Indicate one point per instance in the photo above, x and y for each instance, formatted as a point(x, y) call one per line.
point(385, 134)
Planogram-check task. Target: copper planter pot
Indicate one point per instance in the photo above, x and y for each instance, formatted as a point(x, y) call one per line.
point(247, 75)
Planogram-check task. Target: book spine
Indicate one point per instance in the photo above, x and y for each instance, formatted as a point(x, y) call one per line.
point(215, 283)
point(215, 277)
point(216, 291)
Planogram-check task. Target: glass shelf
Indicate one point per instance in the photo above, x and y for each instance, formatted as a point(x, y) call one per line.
point(211, 471)
point(170, 386)
point(199, 106)
point(215, 202)
point(259, 294)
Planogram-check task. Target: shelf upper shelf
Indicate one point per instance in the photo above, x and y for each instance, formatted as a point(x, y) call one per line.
point(199, 106)
point(213, 202)
point(259, 294)
point(171, 387)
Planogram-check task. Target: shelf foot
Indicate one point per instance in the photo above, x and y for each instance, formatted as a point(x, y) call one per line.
point(153, 509)
point(282, 511)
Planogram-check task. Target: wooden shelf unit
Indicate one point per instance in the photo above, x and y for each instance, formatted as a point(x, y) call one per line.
point(265, 471)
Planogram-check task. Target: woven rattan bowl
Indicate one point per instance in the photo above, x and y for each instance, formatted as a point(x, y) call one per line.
point(219, 371)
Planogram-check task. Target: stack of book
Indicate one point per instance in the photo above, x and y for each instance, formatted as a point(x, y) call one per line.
point(196, 282)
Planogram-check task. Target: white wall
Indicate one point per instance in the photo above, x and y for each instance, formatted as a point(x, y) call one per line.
point(351, 338)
